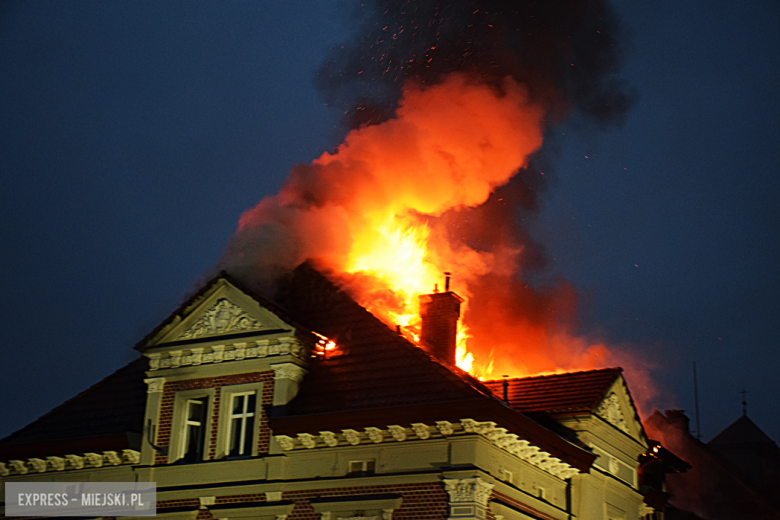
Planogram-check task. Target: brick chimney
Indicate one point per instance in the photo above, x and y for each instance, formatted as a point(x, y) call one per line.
point(440, 313)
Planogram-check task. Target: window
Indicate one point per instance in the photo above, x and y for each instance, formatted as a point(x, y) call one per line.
point(361, 468)
point(241, 424)
point(191, 425)
point(239, 420)
point(194, 430)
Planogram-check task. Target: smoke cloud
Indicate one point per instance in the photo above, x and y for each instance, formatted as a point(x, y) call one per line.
point(446, 105)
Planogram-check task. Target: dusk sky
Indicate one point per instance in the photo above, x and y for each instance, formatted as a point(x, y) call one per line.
point(134, 134)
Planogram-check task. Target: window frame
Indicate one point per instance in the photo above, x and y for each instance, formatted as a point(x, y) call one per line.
point(179, 424)
point(224, 433)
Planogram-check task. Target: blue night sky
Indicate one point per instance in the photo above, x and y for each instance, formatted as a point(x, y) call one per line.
point(134, 134)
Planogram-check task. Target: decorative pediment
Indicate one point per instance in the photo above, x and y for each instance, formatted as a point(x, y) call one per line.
point(223, 317)
point(617, 408)
point(221, 309)
point(610, 411)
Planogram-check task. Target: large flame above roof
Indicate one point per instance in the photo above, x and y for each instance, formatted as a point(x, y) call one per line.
point(441, 180)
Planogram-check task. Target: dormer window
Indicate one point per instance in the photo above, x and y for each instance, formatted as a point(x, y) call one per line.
point(239, 420)
point(242, 423)
point(191, 425)
point(194, 430)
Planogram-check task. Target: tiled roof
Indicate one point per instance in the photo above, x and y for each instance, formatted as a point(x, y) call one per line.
point(561, 393)
point(376, 366)
point(111, 407)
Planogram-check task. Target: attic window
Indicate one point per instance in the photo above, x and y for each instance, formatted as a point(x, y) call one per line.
point(361, 468)
point(194, 429)
point(242, 422)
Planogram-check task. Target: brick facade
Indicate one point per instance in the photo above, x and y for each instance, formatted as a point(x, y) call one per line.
point(165, 419)
point(423, 501)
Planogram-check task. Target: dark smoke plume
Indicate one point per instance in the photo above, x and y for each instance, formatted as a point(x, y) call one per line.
point(566, 52)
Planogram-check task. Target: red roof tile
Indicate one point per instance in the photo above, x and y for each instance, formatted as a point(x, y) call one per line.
point(561, 393)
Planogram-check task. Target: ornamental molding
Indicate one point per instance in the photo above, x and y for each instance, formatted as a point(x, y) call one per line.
point(508, 442)
point(225, 353)
point(610, 411)
point(474, 490)
point(154, 385)
point(288, 371)
point(222, 318)
point(69, 462)
point(645, 510)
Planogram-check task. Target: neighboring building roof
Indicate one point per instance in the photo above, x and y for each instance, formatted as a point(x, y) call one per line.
point(560, 393)
point(741, 431)
point(103, 414)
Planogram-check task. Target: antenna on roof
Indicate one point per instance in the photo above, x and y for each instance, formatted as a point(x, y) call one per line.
point(447, 281)
point(696, 401)
point(744, 402)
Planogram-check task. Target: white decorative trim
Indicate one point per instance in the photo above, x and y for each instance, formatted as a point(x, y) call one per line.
point(37, 465)
point(57, 463)
point(421, 430)
point(112, 458)
point(93, 460)
point(223, 353)
point(645, 510)
point(287, 443)
point(18, 466)
point(398, 432)
point(352, 436)
point(508, 442)
point(375, 434)
point(68, 462)
point(288, 371)
point(445, 427)
point(223, 317)
point(131, 457)
point(329, 438)
point(308, 440)
point(75, 462)
point(610, 411)
point(468, 490)
point(154, 385)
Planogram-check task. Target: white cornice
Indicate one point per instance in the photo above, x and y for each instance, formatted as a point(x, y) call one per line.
point(223, 353)
point(85, 460)
point(508, 442)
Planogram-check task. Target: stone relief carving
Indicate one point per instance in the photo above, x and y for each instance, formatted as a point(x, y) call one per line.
point(223, 317)
point(468, 490)
point(610, 411)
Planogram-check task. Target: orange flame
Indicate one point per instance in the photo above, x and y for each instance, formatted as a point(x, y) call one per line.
point(384, 208)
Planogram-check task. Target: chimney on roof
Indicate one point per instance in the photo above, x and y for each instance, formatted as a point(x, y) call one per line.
point(440, 312)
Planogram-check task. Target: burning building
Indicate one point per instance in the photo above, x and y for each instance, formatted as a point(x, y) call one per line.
point(308, 406)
